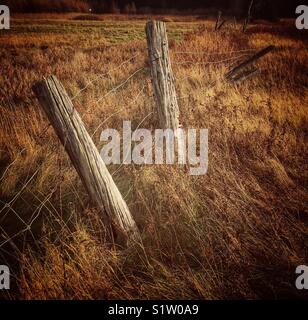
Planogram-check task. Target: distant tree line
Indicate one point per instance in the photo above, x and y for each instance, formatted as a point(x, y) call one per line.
point(47, 5)
point(262, 8)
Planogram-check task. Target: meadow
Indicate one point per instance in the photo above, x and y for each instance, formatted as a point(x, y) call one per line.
point(237, 232)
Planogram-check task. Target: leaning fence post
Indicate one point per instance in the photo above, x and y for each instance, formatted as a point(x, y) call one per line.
point(162, 75)
point(85, 157)
point(234, 72)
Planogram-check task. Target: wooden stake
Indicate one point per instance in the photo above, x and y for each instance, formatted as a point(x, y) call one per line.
point(162, 75)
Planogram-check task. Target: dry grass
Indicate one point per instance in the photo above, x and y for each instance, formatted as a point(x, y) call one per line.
point(237, 232)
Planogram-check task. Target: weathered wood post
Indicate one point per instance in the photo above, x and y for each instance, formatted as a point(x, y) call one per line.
point(248, 18)
point(162, 75)
point(85, 157)
point(218, 24)
point(235, 71)
point(217, 20)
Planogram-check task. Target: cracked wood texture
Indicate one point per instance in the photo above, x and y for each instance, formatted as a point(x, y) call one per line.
point(162, 75)
point(85, 157)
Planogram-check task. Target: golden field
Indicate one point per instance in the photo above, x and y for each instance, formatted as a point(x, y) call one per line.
point(237, 232)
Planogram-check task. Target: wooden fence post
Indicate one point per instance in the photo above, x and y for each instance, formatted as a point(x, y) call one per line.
point(85, 157)
point(234, 72)
point(162, 75)
point(217, 20)
point(248, 18)
point(218, 24)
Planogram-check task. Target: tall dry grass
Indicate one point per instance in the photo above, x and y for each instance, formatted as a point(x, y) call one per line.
point(237, 232)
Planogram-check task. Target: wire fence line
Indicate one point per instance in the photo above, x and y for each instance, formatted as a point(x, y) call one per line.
point(40, 137)
point(114, 89)
point(9, 205)
point(45, 129)
point(36, 213)
point(212, 62)
point(213, 53)
point(125, 157)
point(117, 87)
point(118, 111)
point(104, 75)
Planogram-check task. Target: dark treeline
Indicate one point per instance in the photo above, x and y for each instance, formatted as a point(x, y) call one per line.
point(261, 8)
